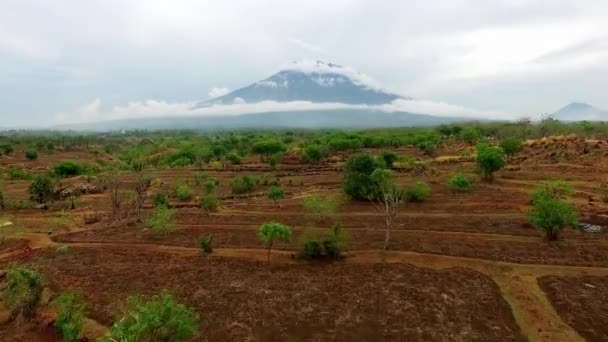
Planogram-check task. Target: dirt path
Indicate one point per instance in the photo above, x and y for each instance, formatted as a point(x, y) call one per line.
point(517, 282)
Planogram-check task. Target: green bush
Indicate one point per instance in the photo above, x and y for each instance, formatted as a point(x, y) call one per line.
point(23, 291)
point(551, 214)
point(161, 220)
point(18, 174)
point(417, 192)
point(489, 159)
point(268, 147)
point(70, 317)
point(470, 135)
point(273, 231)
point(68, 168)
point(210, 186)
point(233, 158)
point(6, 149)
point(511, 146)
point(159, 318)
point(558, 189)
point(209, 203)
point(31, 154)
point(313, 154)
point(358, 184)
point(328, 246)
point(160, 199)
point(41, 189)
point(183, 192)
point(242, 184)
point(275, 193)
point(460, 182)
point(389, 158)
point(206, 243)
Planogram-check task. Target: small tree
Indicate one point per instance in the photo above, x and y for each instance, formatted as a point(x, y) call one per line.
point(71, 316)
point(22, 292)
point(389, 158)
point(460, 182)
point(113, 182)
point(387, 198)
point(267, 148)
point(183, 192)
point(210, 186)
point(209, 203)
point(233, 158)
point(142, 183)
point(358, 184)
point(275, 193)
point(41, 190)
point(551, 215)
point(31, 154)
point(511, 146)
point(272, 231)
point(159, 318)
point(489, 160)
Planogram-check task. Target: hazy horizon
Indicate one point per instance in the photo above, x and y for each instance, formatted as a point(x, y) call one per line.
point(70, 61)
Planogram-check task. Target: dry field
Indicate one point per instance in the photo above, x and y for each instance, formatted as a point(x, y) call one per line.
point(462, 266)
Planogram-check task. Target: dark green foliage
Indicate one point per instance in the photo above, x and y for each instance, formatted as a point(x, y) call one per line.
point(470, 135)
point(275, 159)
point(159, 318)
point(41, 190)
point(31, 154)
point(460, 182)
point(242, 184)
point(313, 154)
point(511, 146)
point(417, 192)
point(233, 158)
point(183, 192)
point(6, 149)
point(210, 186)
point(268, 147)
point(68, 168)
point(160, 199)
point(327, 246)
point(209, 203)
point(275, 193)
point(206, 243)
point(70, 317)
point(389, 158)
point(358, 184)
point(489, 159)
point(23, 291)
point(428, 147)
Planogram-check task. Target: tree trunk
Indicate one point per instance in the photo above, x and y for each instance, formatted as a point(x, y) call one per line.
point(387, 235)
point(268, 257)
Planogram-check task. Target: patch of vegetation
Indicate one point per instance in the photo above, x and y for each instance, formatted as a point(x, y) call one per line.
point(206, 243)
point(209, 203)
point(389, 158)
point(321, 206)
point(68, 168)
point(31, 154)
point(275, 193)
point(19, 174)
point(358, 183)
point(489, 160)
point(160, 318)
point(161, 221)
point(183, 192)
point(417, 192)
point(65, 249)
point(511, 146)
point(268, 147)
point(233, 158)
point(41, 189)
point(70, 317)
point(160, 199)
point(23, 291)
point(242, 184)
point(460, 182)
point(323, 246)
point(550, 212)
point(313, 154)
point(62, 221)
point(271, 232)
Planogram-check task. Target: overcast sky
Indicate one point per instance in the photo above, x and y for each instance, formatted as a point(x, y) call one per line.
point(64, 59)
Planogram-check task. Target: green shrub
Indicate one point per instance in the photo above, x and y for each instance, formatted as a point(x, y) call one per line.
point(68, 168)
point(328, 246)
point(489, 159)
point(417, 192)
point(275, 193)
point(511, 146)
point(358, 184)
point(558, 189)
point(268, 147)
point(273, 231)
point(41, 189)
point(233, 158)
point(6, 149)
point(31, 154)
point(206, 243)
point(428, 147)
point(469, 135)
point(209, 203)
point(23, 291)
point(159, 318)
point(183, 192)
point(242, 184)
point(210, 186)
point(389, 158)
point(460, 182)
point(161, 221)
point(160, 199)
point(310, 246)
point(551, 214)
point(313, 154)
point(18, 174)
point(70, 317)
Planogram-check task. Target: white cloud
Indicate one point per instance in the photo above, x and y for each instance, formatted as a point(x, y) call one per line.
point(217, 92)
point(154, 108)
point(306, 46)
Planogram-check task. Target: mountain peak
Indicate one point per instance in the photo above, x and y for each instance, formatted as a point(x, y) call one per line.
point(578, 111)
point(312, 81)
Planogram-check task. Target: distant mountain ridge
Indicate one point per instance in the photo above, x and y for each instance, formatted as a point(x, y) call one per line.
point(316, 82)
point(579, 111)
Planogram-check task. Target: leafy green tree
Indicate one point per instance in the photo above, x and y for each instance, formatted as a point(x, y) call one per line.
point(70, 317)
point(551, 214)
point(41, 189)
point(489, 159)
point(559, 189)
point(31, 154)
point(389, 158)
point(313, 153)
point(267, 148)
point(159, 318)
point(22, 292)
point(275, 193)
point(233, 158)
point(358, 183)
point(511, 146)
point(273, 231)
point(68, 168)
point(460, 182)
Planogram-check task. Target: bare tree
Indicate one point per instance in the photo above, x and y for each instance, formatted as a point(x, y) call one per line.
point(113, 182)
point(388, 198)
point(142, 183)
